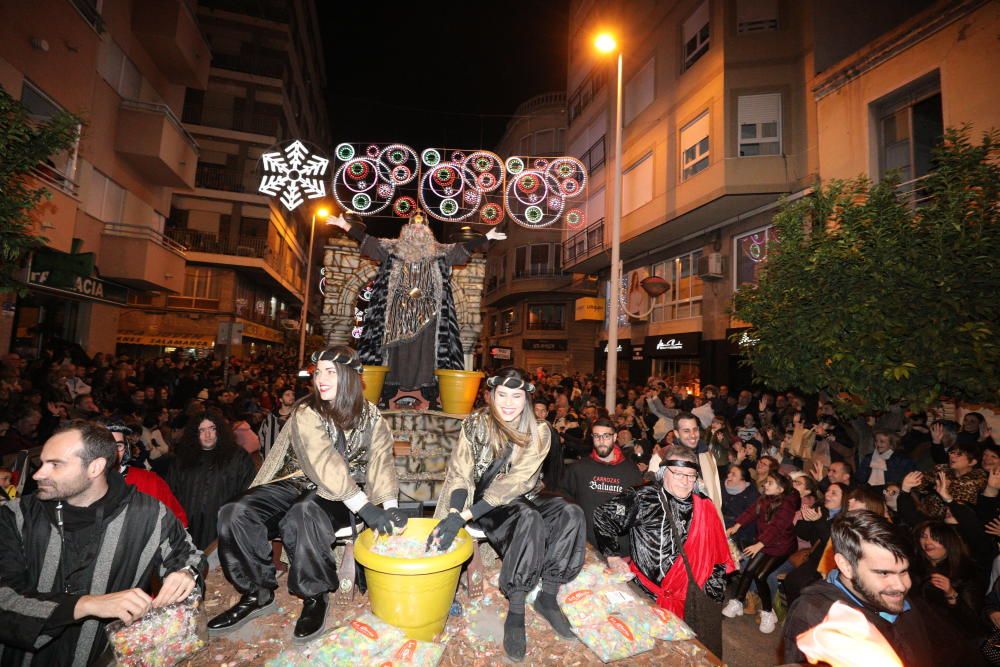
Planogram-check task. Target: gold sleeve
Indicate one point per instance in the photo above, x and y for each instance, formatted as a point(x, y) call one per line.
point(460, 475)
point(319, 458)
point(524, 472)
point(382, 483)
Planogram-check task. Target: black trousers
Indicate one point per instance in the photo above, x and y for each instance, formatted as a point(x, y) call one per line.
point(541, 539)
point(758, 569)
point(306, 524)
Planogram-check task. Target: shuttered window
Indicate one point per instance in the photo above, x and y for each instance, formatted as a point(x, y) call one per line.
point(637, 184)
point(694, 146)
point(760, 124)
point(695, 34)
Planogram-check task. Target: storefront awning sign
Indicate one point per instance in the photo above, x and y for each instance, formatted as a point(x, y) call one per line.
point(166, 341)
point(672, 345)
point(86, 287)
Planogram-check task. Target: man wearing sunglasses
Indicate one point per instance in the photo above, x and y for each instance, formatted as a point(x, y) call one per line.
point(601, 476)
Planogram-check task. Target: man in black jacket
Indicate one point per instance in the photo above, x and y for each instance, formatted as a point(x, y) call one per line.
point(873, 576)
point(604, 475)
point(81, 552)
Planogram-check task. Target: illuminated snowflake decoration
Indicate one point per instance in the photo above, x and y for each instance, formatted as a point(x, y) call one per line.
point(292, 173)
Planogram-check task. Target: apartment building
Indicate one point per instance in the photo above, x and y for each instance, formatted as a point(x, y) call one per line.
point(123, 67)
point(529, 300)
point(246, 255)
point(717, 126)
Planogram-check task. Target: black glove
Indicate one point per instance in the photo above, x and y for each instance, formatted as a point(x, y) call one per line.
point(376, 518)
point(446, 531)
point(398, 519)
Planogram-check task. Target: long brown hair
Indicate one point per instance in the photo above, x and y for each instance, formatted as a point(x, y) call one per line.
point(346, 407)
point(498, 431)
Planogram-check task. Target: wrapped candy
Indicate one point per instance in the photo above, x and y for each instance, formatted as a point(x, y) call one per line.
point(655, 621)
point(583, 606)
point(411, 652)
point(163, 637)
point(401, 546)
point(615, 638)
point(359, 640)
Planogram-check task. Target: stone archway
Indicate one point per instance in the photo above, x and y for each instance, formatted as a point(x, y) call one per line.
point(347, 272)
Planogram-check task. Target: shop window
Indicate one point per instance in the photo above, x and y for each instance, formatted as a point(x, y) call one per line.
point(760, 124)
point(694, 146)
point(546, 317)
point(750, 251)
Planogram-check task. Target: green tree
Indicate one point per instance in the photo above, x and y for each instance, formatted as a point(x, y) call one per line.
point(24, 145)
point(880, 297)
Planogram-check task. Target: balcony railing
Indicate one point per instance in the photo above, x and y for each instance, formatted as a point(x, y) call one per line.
point(141, 232)
point(540, 101)
point(242, 246)
point(215, 177)
point(914, 192)
point(152, 107)
point(584, 243)
point(257, 65)
point(537, 271)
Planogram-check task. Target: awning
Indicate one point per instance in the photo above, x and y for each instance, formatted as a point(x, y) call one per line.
point(166, 341)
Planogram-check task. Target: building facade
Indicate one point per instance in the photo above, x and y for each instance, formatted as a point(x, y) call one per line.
point(246, 255)
point(124, 72)
point(529, 300)
point(730, 107)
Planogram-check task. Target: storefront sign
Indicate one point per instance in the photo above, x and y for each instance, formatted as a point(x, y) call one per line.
point(637, 354)
point(260, 332)
point(672, 345)
point(88, 287)
point(166, 341)
point(742, 339)
point(544, 345)
point(499, 352)
point(624, 348)
point(589, 308)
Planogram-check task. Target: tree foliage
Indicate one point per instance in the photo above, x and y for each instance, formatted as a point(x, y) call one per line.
point(24, 146)
point(880, 298)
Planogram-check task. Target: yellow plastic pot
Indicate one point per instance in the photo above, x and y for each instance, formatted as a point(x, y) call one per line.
point(374, 378)
point(458, 390)
point(413, 594)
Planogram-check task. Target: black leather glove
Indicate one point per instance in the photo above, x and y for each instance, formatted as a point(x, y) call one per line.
point(398, 519)
point(376, 518)
point(446, 531)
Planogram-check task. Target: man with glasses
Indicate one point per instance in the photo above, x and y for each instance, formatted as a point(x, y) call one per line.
point(687, 430)
point(677, 546)
point(145, 481)
point(603, 475)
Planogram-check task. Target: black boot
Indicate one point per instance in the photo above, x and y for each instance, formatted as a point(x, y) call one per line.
point(311, 620)
point(250, 606)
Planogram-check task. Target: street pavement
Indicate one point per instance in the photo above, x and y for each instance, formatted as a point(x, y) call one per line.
point(743, 645)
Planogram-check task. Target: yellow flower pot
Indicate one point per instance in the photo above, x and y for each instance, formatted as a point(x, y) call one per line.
point(374, 378)
point(458, 390)
point(413, 594)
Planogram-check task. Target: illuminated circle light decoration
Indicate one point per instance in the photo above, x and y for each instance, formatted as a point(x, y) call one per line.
point(293, 174)
point(369, 177)
point(538, 189)
point(458, 185)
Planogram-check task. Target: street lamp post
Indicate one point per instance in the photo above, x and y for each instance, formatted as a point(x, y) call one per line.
point(322, 214)
point(606, 43)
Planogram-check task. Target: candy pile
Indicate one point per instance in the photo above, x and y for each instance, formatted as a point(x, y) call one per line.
point(161, 638)
point(664, 624)
point(401, 546)
point(615, 639)
point(411, 652)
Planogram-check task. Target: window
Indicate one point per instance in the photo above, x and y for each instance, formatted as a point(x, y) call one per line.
point(756, 15)
point(586, 92)
point(508, 321)
point(639, 91)
point(60, 168)
point(546, 317)
point(90, 10)
point(910, 125)
point(750, 251)
point(101, 197)
point(595, 207)
point(525, 146)
point(594, 157)
point(760, 124)
point(545, 142)
point(201, 289)
point(115, 68)
point(694, 146)
point(541, 259)
point(695, 33)
point(684, 297)
point(637, 184)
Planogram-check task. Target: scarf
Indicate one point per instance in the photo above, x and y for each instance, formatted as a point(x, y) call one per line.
point(704, 547)
point(616, 456)
point(879, 465)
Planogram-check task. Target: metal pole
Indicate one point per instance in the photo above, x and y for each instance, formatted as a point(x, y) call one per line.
point(611, 369)
point(305, 296)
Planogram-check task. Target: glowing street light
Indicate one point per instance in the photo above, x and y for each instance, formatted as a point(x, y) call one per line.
point(606, 43)
point(321, 213)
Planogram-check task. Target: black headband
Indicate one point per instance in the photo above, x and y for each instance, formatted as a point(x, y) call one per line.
point(342, 358)
point(680, 463)
point(509, 382)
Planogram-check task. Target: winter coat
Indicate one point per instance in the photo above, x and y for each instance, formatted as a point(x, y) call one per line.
point(778, 533)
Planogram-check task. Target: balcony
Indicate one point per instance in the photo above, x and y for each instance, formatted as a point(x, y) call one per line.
point(151, 138)
point(247, 252)
point(217, 177)
point(256, 65)
point(141, 257)
point(582, 246)
point(169, 32)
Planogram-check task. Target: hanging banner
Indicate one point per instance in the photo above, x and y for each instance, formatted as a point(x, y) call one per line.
point(589, 308)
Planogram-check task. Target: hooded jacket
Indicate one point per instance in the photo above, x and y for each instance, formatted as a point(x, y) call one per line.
point(116, 544)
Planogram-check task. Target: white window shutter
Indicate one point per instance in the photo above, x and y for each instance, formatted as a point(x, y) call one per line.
point(637, 184)
point(695, 22)
point(640, 91)
point(694, 131)
point(758, 109)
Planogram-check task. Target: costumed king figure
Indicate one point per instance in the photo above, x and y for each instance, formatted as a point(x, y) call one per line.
point(307, 488)
point(675, 535)
point(494, 481)
point(411, 321)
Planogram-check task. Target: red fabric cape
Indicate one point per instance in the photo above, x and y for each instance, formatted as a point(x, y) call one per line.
point(705, 546)
point(148, 482)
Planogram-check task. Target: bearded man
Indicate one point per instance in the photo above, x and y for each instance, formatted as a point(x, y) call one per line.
point(411, 322)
